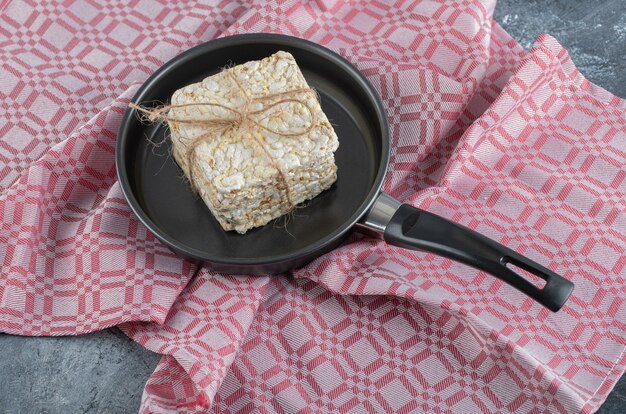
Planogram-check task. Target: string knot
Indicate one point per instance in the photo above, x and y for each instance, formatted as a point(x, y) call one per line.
point(237, 118)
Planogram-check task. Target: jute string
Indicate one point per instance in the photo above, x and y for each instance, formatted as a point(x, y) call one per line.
point(243, 118)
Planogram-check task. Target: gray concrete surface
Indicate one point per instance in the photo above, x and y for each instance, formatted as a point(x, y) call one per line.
point(592, 31)
point(102, 372)
point(105, 372)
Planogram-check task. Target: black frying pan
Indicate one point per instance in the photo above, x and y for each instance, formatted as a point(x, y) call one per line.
point(164, 203)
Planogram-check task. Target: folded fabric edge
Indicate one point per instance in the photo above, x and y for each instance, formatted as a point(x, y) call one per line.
point(152, 403)
point(498, 32)
point(596, 400)
point(482, 329)
point(205, 381)
point(577, 79)
point(550, 46)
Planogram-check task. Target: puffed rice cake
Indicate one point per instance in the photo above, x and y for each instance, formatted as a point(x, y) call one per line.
point(233, 172)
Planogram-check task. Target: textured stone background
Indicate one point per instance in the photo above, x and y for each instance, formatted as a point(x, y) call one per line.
point(593, 32)
point(105, 372)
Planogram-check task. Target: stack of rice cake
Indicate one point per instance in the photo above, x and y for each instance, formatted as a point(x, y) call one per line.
point(250, 175)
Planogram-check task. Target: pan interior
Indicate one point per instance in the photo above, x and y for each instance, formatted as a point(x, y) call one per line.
point(169, 207)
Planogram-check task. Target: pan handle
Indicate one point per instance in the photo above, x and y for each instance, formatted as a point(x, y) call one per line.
point(409, 227)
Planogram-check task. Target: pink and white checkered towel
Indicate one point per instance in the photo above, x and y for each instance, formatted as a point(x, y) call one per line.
point(517, 145)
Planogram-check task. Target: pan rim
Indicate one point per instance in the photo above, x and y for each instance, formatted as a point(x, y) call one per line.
point(254, 38)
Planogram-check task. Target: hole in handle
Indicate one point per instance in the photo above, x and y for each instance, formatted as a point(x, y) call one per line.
point(531, 277)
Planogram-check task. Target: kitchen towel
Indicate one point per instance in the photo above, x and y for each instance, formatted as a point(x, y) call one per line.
point(516, 145)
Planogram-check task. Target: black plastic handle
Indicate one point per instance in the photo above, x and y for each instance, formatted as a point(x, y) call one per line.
point(417, 229)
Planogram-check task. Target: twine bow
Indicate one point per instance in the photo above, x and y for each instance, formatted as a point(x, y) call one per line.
point(239, 118)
